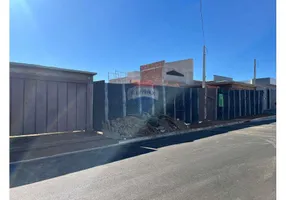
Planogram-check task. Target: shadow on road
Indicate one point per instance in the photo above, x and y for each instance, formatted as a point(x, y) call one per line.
point(26, 173)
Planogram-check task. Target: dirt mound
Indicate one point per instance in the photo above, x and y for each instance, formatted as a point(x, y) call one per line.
point(134, 125)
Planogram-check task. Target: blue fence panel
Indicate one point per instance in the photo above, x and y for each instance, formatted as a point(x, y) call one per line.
point(180, 104)
point(115, 101)
point(170, 101)
point(158, 102)
point(252, 102)
point(261, 101)
point(256, 102)
point(273, 99)
point(195, 105)
point(226, 104)
point(188, 106)
point(132, 100)
point(243, 102)
point(98, 104)
point(219, 109)
point(231, 105)
point(236, 101)
point(248, 103)
point(267, 99)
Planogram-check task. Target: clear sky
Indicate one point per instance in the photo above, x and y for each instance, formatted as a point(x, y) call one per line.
point(107, 35)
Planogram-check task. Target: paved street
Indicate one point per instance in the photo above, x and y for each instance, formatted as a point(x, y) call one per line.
point(236, 163)
point(35, 147)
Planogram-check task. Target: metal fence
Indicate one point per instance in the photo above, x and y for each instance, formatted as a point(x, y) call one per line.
point(240, 103)
point(113, 101)
point(50, 100)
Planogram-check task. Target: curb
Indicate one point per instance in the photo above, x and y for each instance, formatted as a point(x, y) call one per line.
point(44, 134)
point(16, 149)
point(263, 118)
point(146, 138)
point(143, 139)
point(63, 154)
point(138, 139)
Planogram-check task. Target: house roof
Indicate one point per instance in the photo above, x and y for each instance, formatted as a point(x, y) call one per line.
point(220, 83)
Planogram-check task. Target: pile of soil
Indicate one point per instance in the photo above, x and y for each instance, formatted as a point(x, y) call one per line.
point(143, 125)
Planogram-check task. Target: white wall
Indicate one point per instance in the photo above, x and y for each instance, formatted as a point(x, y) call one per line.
point(222, 78)
point(131, 76)
point(185, 67)
point(134, 75)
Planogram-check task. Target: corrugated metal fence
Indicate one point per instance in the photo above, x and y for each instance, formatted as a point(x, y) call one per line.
point(113, 101)
point(240, 103)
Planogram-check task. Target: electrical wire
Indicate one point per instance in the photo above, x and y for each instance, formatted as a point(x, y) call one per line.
point(202, 20)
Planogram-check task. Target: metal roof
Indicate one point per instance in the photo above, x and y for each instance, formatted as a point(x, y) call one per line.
point(17, 64)
point(229, 83)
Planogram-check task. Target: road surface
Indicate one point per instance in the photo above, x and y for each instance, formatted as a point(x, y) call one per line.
point(238, 165)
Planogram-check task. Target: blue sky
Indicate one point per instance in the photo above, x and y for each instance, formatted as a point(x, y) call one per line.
point(107, 35)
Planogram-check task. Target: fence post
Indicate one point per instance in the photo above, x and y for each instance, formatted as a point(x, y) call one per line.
point(89, 106)
point(106, 101)
point(198, 103)
point(216, 100)
point(164, 99)
point(184, 105)
point(249, 103)
point(153, 106)
point(234, 104)
point(228, 104)
point(124, 100)
point(140, 100)
point(245, 103)
point(258, 102)
point(264, 100)
point(191, 105)
point(240, 102)
point(175, 111)
point(254, 99)
point(223, 107)
point(270, 99)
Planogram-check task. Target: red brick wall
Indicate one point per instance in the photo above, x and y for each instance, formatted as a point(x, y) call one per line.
point(152, 72)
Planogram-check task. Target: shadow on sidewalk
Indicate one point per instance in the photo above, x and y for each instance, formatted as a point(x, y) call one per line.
point(26, 173)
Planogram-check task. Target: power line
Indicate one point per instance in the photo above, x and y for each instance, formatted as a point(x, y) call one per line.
point(202, 20)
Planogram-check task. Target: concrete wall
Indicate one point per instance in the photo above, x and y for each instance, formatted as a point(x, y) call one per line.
point(134, 75)
point(222, 78)
point(121, 80)
point(266, 81)
point(185, 67)
point(262, 81)
point(45, 99)
point(130, 78)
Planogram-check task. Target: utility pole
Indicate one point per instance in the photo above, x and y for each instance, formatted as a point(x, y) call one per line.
point(204, 83)
point(254, 73)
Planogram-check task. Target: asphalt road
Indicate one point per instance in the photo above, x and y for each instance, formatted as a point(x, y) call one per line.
point(238, 165)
